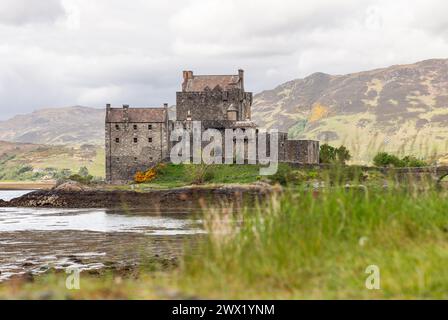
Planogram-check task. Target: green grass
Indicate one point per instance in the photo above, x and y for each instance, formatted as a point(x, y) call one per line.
point(318, 245)
point(172, 175)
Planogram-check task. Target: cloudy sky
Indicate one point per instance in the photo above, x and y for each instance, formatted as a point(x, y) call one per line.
point(91, 52)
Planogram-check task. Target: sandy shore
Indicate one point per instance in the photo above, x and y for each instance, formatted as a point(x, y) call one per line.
point(30, 185)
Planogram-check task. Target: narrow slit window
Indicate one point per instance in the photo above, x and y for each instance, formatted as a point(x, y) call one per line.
point(135, 127)
point(149, 126)
point(117, 140)
point(117, 127)
point(135, 140)
point(149, 140)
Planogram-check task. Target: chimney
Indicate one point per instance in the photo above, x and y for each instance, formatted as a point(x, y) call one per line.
point(125, 113)
point(187, 76)
point(241, 76)
point(108, 106)
point(165, 105)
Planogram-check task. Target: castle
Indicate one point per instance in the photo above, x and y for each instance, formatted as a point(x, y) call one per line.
point(139, 138)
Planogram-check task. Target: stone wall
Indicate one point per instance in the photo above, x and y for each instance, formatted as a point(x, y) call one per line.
point(302, 151)
point(139, 147)
point(212, 104)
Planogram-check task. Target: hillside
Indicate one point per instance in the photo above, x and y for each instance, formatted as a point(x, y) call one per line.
point(71, 125)
point(25, 161)
point(402, 109)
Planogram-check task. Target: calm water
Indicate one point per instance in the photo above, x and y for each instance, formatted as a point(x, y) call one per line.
point(33, 239)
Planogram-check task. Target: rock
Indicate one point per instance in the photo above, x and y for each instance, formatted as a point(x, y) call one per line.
point(71, 186)
point(3, 203)
point(27, 264)
point(75, 195)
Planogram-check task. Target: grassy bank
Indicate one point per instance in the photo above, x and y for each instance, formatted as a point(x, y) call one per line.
point(303, 244)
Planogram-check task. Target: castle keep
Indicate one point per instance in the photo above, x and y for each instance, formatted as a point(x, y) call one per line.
point(139, 138)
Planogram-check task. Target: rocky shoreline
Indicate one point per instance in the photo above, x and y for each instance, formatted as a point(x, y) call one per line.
point(185, 197)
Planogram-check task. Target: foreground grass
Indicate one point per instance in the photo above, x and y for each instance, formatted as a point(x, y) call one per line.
point(303, 244)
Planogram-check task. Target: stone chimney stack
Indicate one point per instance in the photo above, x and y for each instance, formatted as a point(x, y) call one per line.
point(126, 113)
point(187, 76)
point(241, 76)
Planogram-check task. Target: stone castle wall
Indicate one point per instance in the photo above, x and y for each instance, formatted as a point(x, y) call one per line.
point(137, 148)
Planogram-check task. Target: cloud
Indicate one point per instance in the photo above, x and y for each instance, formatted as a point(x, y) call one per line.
point(57, 53)
point(22, 12)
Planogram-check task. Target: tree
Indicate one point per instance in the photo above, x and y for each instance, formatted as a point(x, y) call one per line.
point(329, 154)
point(342, 154)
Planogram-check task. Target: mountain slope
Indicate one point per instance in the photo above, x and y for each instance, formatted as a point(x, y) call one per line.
point(402, 109)
point(26, 161)
point(71, 125)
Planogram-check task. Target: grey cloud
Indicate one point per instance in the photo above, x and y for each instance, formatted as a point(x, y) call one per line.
point(22, 12)
point(94, 52)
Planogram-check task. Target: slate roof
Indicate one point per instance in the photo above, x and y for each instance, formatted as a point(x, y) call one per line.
point(201, 82)
point(137, 115)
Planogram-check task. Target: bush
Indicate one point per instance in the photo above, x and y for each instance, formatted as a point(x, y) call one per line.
point(384, 159)
point(83, 172)
point(26, 168)
point(329, 154)
point(147, 176)
point(81, 179)
point(411, 161)
point(150, 174)
point(285, 174)
point(200, 173)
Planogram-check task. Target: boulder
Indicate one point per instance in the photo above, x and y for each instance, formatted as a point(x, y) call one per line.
point(71, 186)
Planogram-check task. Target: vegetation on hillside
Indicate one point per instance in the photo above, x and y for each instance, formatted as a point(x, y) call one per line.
point(28, 162)
point(384, 159)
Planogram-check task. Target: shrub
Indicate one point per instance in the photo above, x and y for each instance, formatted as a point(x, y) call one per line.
point(411, 161)
point(200, 173)
point(83, 172)
point(78, 178)
point(146, 176)
point(384, 159)
point(285, 174)
point(26, 168)
point(329, 154)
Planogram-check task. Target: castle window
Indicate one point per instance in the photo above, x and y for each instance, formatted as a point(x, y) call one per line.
point(117, 127)
point(135, 158)
point(117, 140)
point(149, 140)
point(135, 127)
point(232, 115)
point(135, 140)
point(225, 96)
point(150, 158)
point(149, 126)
